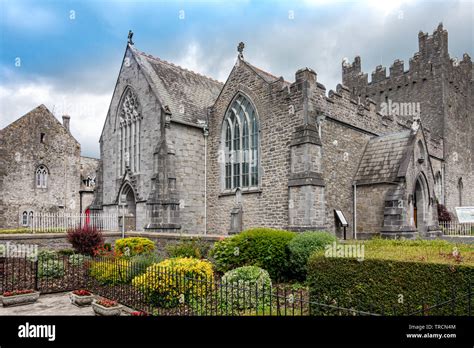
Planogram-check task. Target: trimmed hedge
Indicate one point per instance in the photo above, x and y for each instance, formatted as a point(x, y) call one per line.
point(302, 246)
point(263, 247)
point(395, 277)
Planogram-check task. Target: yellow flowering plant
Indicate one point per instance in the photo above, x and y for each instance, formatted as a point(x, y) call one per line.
point(174, 281)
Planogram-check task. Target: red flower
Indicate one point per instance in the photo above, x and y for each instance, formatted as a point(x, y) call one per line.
point(107, 303)
point(139, 314)
point(81, 292)
point(17, 292)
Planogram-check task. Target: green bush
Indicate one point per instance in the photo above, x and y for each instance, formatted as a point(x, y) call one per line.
point(302, 246)
point(394, 277)
point(65, 252)
point(189, 248)
point(247, 287)
point(132, 246)
point(50, 268)
point(263, 247)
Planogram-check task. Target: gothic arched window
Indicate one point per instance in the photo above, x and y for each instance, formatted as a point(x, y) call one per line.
point(130, 122)
point(24, 218)
point(240, 132)
point(41, 177)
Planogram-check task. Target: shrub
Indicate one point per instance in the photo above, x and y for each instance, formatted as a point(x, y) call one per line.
point(65, 252)
point(246, 287)
point(50, 268)
point(85, 240)
point(77, 260)
point(189, 248)
point(176, 280)
point(44, 255)
point(302, 246)
point(121, 270)
point(443, 214)
point(132, 246)
point(424, 273)
point(112, 271)
point(263, 247)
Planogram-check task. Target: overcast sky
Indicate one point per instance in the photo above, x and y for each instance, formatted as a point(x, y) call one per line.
point(67, 54)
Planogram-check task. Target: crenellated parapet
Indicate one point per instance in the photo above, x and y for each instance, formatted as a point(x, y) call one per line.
point(429, 62)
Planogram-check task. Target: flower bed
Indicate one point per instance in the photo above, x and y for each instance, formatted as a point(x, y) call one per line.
point(19, 297)
point(81, 297)
point(105, 307)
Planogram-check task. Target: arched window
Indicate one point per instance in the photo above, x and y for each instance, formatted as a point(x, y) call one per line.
point(240, 132)
point(24, 218)
point(129, 135)
point(30, 218)
point(460, 187)
point(41, 177)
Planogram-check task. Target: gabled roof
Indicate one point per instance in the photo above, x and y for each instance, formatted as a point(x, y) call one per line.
point(40, 111)
point(186, 93)
point(263, 74)
point(383, 157)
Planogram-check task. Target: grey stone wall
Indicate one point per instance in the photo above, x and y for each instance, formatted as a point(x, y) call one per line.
point(343, 147)
point(22, 151)
point(190, 181)
point(130, 75)
point(267, 206)
point(370, 209)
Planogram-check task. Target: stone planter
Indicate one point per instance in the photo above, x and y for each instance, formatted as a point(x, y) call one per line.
point(18, 300)
point(81, 301)
point(106, 311)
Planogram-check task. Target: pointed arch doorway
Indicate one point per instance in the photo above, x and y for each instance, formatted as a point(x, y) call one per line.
point(128, 208)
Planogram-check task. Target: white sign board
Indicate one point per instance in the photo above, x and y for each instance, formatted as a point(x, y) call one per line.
point(465, 214)
point(341, 218)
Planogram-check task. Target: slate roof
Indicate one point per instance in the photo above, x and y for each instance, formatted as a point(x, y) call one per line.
point(186, 93)
point(382, 158)
point(42, 112)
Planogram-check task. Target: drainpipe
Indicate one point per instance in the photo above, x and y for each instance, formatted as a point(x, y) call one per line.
point(206, 133)
point(355, 211)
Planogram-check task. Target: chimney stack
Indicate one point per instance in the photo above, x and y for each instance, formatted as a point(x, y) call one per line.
point(66, 119)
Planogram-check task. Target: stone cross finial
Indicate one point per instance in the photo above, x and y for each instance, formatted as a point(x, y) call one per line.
point(240, 49)
point(130, 35)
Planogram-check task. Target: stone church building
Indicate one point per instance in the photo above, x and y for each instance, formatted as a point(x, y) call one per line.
point(183, 153)
point(42, 170)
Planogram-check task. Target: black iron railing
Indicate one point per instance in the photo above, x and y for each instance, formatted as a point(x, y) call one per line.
point(162, 291)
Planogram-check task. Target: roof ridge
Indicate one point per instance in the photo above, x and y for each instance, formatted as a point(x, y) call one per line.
point(262, 71)
point(176, 66)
